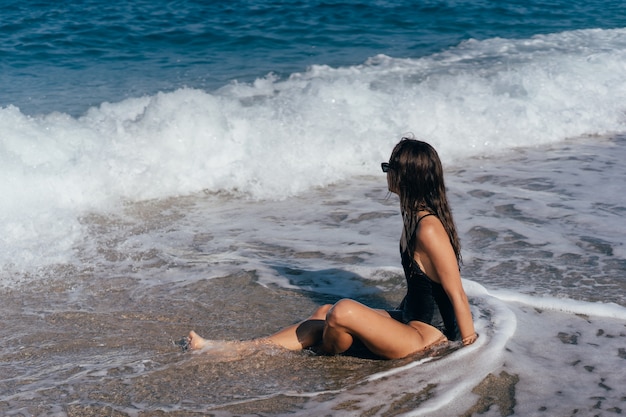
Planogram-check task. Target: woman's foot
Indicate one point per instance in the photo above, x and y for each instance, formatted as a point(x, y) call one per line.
point(196, 342)
point(225, 350)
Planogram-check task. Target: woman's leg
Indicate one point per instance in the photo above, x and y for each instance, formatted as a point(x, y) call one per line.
point(336, 326)
point(381, 334)
point(298, 336)
point(196, 341)
point(304, 334)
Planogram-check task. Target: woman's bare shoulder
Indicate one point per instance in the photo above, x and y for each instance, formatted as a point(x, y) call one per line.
point(432, 238)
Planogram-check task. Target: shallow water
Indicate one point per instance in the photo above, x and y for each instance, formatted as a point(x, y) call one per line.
point(176, 165)
point(112, 349)
point(547, 220)
point(96, 336)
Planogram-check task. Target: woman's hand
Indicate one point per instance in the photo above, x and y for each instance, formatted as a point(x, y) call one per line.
point(469, 339)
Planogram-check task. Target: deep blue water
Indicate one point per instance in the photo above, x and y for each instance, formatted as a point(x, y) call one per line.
point(68, 56)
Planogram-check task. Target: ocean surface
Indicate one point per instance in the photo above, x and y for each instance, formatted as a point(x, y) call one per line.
point(168, 166)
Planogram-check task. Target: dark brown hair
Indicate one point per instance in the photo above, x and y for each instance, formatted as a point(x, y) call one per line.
point(417, 175)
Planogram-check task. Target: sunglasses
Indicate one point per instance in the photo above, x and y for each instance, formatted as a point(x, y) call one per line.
point(385, 166)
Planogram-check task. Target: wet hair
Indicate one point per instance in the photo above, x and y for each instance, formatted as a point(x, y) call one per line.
point(416, 173)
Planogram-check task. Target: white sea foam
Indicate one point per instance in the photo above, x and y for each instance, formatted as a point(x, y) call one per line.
point(277, 138)
point(448, 381)
point(600, 310)
point(541, 346)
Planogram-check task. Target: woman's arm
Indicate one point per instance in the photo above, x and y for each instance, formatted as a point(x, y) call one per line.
point(434, 254)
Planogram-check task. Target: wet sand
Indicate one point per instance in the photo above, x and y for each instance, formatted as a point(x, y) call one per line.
point(82, 346)
point(79, 346)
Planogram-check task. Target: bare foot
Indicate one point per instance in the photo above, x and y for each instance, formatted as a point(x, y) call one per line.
point(196, 342)
point(225, 351)
point(221, 350)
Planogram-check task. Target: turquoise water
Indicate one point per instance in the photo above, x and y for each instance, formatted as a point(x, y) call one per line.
point(70, 56)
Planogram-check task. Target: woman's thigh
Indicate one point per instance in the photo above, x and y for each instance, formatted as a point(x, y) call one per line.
point(379, 332)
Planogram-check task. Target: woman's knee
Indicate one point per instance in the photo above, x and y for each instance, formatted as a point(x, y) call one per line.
point(341, 313)
point(321, 312)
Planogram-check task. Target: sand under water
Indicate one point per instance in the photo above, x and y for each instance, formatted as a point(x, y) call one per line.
point(97, 336)
point(112, 351)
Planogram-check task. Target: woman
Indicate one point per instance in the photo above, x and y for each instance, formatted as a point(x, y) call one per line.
point(435, 308)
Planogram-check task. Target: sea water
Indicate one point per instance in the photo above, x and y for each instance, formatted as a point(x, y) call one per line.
point(176, 165)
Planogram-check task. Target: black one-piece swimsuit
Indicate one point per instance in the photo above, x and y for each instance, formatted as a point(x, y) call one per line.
point(426, 300)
